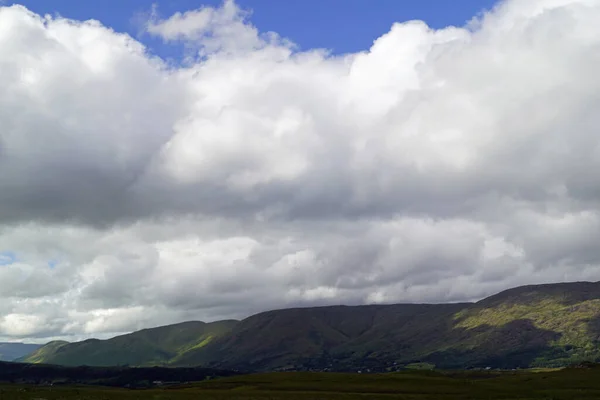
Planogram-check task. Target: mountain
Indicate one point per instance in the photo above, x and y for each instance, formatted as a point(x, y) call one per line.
point(12, 351)
point(148, 347)
point(538, 325)
point(285, 338)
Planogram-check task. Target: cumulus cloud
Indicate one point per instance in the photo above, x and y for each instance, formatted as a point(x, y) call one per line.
point(438, 165)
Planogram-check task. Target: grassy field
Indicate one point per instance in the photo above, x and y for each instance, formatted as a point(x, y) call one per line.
point(416, 385)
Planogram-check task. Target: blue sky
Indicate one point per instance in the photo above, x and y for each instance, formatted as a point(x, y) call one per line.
point(339, 25)
point(7, 257)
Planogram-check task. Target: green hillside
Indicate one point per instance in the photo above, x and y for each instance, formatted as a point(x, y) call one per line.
point(148, 347)
point(345, 336)
point(44, 353)
point(530, 326)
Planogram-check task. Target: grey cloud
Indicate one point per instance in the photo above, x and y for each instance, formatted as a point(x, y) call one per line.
point(439, 165)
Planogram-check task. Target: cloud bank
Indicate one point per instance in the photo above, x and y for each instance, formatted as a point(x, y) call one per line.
point(438, 165)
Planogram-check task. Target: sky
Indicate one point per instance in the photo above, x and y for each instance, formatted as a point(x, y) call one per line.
point(341, 26)
point(181, 162)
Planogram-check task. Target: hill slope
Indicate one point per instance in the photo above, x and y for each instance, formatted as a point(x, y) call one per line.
point(286, 338)
point(12, 351)
point(539, 325)
point(148, 347)
point(543, 325)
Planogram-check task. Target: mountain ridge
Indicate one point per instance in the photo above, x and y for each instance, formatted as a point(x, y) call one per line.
point(146, 347)
point(10, 351)
point(527, 326)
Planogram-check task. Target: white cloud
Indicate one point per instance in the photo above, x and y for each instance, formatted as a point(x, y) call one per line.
point(439, 165)
point(21, 324)
point(210, 30)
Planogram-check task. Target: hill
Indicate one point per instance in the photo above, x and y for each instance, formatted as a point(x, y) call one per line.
point(529, 326)
point(148, 347)
point(12, 351)
point(340, 336)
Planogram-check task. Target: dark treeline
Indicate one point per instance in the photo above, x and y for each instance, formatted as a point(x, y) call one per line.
point(41, 374)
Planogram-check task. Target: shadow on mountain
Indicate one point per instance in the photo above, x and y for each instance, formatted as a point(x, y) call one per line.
point(516, 344)
point(369, 338)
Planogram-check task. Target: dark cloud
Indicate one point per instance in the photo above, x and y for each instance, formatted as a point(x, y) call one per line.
point(439, 165)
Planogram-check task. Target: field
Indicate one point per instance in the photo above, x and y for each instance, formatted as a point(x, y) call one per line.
point(414, 385)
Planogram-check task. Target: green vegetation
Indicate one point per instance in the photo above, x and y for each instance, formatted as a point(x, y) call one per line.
point(576, 338)
point(148, 347)
point(549, 314)
point(43, 353)
point(565, 384)
point(566, 317)
point(531, 326)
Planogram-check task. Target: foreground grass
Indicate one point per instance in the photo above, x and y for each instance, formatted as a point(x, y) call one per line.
point(418, 385)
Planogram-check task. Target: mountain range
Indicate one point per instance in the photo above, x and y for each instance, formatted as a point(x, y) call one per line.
point(529, 326)
point(12, 351)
